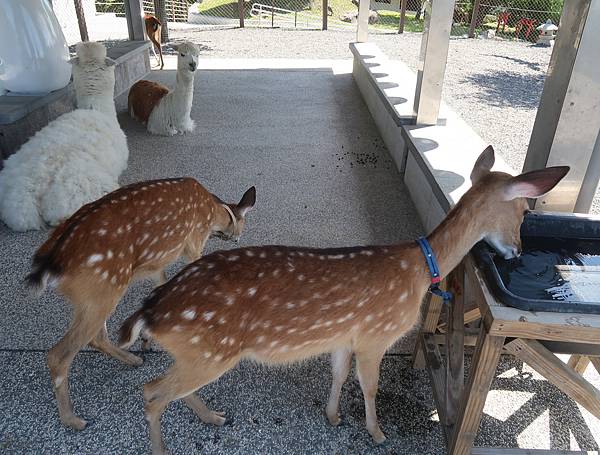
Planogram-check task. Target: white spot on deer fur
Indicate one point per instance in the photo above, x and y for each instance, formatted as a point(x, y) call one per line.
point(276, 272)
point(261, 274)
point(94, 258)
point(58, 381)
point(368, 318)
point(222, 320)
point(403, 296)
point(249, 253)
point(229, 300)
point(337, 256)
point(176, 328)
point(290, 305)
point(188, 314)
point(260, 339)
point(105, 275)
point(274, 343)
point(391, 286)
point(101, 231)
point(208, 315)
point(403, 265)
point(300, 277)
point(113, 280)
point(218, 357)
point(366, 252)
point(278, 328)
point(225, 340)
point(167, 315)
point(195, 339)
point(262, 255)
point(251, 292)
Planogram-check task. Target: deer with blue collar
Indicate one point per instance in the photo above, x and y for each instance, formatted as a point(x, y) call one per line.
point(278, 304)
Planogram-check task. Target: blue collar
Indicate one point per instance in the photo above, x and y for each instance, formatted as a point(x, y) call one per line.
point(434, 271)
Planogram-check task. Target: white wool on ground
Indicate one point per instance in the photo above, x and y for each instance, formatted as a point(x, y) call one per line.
point(72, 161)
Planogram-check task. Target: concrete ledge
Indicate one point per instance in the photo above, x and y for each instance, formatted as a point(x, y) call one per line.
point(22, 116)
point(436, 160)
point(388, 90)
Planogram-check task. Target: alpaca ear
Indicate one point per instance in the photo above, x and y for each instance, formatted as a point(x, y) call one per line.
point(74, 61)
point(109, 62)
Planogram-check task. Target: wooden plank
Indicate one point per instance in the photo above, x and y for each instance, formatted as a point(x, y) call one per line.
point(325, 14)
point(470, 340)
point(437, 375)
point(483, 369)
point(455, 347)
point(474, 17)
point(510, 451)
point(83, 32)
point(469, 316)
point(579, 363)
point(432, 308)
point(596, 362)
point(241, 12)
point(402, 15)
point(555, 371)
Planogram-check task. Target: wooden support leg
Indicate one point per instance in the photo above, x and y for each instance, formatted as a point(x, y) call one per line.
point(437, 375)
point(455, 347)
point(433, 308)
point(482, 373)
point(596, 362)
point(579, 363)
point(543, 361)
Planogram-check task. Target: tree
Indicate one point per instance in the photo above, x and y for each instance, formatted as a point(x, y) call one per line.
point(160, 10)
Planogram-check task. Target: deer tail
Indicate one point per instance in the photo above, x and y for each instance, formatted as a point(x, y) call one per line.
point(131, 329)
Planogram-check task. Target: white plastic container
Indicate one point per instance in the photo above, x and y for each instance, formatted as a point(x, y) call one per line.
point(34, 57)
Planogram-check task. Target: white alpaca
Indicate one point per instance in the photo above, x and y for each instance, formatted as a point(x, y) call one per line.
point(75, 159)
point(167, 112)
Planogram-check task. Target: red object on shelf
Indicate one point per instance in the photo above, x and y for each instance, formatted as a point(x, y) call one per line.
point(524, 22)
point(502, 20)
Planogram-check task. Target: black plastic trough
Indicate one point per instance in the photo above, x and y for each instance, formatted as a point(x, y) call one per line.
point(550, 232)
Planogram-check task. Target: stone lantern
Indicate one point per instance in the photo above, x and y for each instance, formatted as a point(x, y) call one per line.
point(547, 33)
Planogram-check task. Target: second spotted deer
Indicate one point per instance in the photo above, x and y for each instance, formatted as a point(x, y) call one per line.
point(133, 232)
point(278, 304)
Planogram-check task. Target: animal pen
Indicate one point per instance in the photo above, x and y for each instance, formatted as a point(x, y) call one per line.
point(361, 152)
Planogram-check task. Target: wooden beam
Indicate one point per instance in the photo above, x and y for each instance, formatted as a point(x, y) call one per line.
point(325, 14)
point(555, 371)
point(83, 32)
point(437, 375)
point(455, 347)
point(596, 362)
point(432, 309)
point(241, 12)
point(579, 363)
point(470, 340)
point(402, 15)
point(483, 370)
point(474, 17)
point(470, 316)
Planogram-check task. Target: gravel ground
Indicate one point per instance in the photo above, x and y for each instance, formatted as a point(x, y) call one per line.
point(495, 85)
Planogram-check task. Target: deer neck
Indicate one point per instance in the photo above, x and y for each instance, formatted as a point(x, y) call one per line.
point(222, 217)
point(452, 240)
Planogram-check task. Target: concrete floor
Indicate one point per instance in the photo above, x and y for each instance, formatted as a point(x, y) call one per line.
point(323, 178)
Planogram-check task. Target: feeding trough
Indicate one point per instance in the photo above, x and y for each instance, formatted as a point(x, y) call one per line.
point(558, 270)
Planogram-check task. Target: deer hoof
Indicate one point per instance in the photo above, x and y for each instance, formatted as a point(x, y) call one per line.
point(334, 419)
point(74, 422)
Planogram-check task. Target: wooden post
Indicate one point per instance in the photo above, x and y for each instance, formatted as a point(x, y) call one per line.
point(402, 16)
point(455, 348)
point(134, 11)
point(474, 17)
point(272, 13)
point(160, 11)
point(83, 32)
point(325, 14)
point(241, 12)
point(483, 370)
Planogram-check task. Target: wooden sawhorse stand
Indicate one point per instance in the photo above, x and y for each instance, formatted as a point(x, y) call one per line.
point(503, 329)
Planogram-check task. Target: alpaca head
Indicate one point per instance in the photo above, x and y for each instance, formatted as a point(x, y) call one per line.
point(94, 78)
point(187, 57)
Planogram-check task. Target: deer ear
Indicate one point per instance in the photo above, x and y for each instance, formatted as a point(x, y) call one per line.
point(247, 202)
point(483, 165)
point(535, 183)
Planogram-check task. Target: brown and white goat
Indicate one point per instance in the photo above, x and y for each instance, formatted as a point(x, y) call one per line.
point(277, 304)
point(153, 30)
point(133, 232)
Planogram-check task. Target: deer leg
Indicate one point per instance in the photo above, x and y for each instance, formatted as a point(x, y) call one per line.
point(181, 381)
point(83, 328)
point(367, 367)
point(340, 366)
point(102, 343)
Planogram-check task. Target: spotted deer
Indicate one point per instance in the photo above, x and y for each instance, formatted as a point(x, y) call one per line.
point(133, 232)
point(277, 304)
